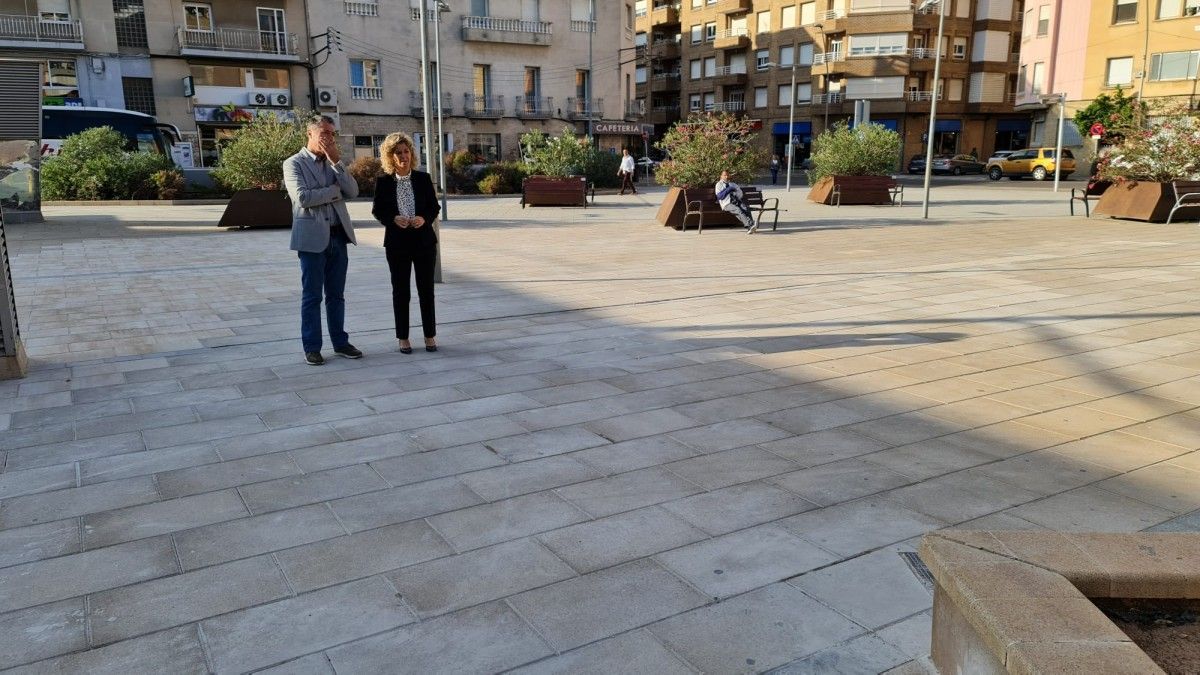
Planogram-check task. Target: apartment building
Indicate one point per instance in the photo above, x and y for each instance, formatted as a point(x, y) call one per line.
point(739, 56)
point(507, 67)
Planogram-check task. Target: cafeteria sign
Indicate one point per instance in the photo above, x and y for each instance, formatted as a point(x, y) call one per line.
point(617, 128)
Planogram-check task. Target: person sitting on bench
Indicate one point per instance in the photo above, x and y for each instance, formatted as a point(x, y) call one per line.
point(729, 196)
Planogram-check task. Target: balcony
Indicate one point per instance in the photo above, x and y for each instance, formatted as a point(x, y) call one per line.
point(238, 43)
point(416, 104)
point(663, 114)
point(634, 110)
point(732, 38)
point(919, 53)
point(730, 76)
point(366, 93)
point(733, 6)
point(856, 52)
point(726, 106)
point(828, 57)
point(832, 97)
point(666, 49)
point(577, 109)
point(361, 7)
point(668, 81)
point(28, 32)
point(507, 31)
point(483, 107)
point(583, 26)
point(534, 107)
point(664, 15)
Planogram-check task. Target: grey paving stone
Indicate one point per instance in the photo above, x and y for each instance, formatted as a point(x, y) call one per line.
point(628, 491)
point(485, 639)
point(626, 536)
point(745, 560)
point(478, 430)
point(503, 482)
point(487, 406)
point(36, 400)
point(138, 421)
point(1186, 523)
point(479, 576)
point(571, 393)
point(486, 524)
point(69, 413)
point(344, 453)
point(927, 459)
point(311, 488)
point(1092, 509)
point(202, 431)
point(632, 653)
point(311, 414)
point(103, 469)
point(822, 447)
point(815, 417)
point(638, 453)
point(246, 537)
point(42, 632)
point(347, 392)
point(70, 576)
point(755, 632)
point(577, 611)
point(408, 502)
point(420, 399)
point(37, 542)
point(275, 441)
point(313, 664)
point(864, 655)
point(194, 480)
point(122, 613)
point(861, 525)
point(739, 506)
point(722, 469)
point(636, 425)
point(729, 435)
point(272, 406)
point(184, 398)
point(50, 506)
point(238, 376)
point(561, 415)
point(841, 481)
point(912, 635)
point(175, 651)
point(270, 634)
point(172, 515)
point(545, 443)
point(67, 451)
point(436, 464)
point(960, 496)
point(23, 438)
point(873, 590)
point(332, 561)
point(42, 479)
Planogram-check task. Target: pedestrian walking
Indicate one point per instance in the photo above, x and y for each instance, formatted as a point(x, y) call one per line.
point(319, 186)
point(774, 169)
point(729, 196)
point(626, 171)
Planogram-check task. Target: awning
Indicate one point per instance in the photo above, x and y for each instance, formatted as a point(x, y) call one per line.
point(1012, 125)
point(798, 128)
point(948, 125)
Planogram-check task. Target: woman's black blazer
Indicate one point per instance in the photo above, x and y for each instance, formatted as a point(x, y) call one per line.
point(385, 211)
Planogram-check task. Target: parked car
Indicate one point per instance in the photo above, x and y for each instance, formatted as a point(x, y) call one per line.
point(958, 164)
point(1035, 162)
point(647, 164)
point(1000, 154)
point(917, 163)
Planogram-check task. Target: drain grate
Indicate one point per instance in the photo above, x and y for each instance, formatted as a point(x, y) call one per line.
point(918, 568)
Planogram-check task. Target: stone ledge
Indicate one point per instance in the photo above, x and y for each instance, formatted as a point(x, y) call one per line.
point(1018, 601)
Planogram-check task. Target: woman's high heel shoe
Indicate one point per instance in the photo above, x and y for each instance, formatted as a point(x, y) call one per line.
point(430, 347)
point(405, 350)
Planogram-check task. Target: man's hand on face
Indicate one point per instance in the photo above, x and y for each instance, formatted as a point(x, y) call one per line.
point(329, 147)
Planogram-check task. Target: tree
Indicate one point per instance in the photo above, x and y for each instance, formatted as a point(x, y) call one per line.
point(254, 157)
point(1117, 112)
point(703, 146)
point(866, 150)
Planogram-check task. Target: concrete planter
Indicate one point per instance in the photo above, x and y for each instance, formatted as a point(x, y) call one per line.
point(258, 208)
point(1140, 200)
point(674, 205)
point(854, 190)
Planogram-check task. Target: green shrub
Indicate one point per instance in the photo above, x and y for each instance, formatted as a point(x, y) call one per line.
point(600, 167)
point(366, 170)
point(703, 146)
point(254, 157)
point(502, 178)
point(460, 175)
point(94, 165)
point(168, 183)
point(569, 155)
point(866, 150)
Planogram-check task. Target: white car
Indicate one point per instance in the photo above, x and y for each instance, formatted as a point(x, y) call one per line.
point(647, 164)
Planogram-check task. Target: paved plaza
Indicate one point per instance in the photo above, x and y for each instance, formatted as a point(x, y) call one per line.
point(638, 451)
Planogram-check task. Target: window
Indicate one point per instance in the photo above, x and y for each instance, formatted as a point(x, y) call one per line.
point(218, 76)
point(1171, 9)
point(198, 17)
point(694, 103)
point(710, 31)
point(764, 22)
point(697, 4)
point(960, 48)
point(710, 66)
point(1037, 84)
point(1125, 11)
point(583, 84)
point(710, 101)
point(762, 59)
point(639, 75)
point(364, 79)
point(786, 54)
point(271, 78)
point(760, 97)
point(806, 54)
point(804, 92)
point(130, 20)
point(1174, 66)
point(736, 63)
point(61, 79)
point(628, 17)
point(877, 44)
point(533, 81)
point(787, 17)
point(486, 146)
point(955, 92)
point(1021, 80)
point(695, 71)
point(54, 10)
point(808, 13)
point(784, 95)
point(139, 94)
point(1027, 24)
point(697, 35)
point(479, 8)
point(1043, 26)
point(1119, 71)
point(639, 40)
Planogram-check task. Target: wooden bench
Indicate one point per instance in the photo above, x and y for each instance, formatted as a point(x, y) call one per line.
point(554, 191)
point(701, 203)
point(894, 189)
point(753, 198)
point(1087, 195)
point(1187, 195)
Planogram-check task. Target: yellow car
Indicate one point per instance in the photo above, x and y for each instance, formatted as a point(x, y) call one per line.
point(1035, 162)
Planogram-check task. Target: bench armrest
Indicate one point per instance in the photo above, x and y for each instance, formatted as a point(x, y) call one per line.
point(1188, 197)
point(767, 204)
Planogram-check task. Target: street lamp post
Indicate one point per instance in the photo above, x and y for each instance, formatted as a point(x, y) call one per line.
point(791, 133)
point(933, 98)
point(825, 79)
point(1062, 108)
point(437, 55)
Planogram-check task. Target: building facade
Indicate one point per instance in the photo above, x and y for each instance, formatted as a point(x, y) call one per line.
point(739, 56)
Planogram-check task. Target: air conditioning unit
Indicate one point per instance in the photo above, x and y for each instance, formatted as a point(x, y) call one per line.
point(270, 98)
point(327, 97)
point(282, 100)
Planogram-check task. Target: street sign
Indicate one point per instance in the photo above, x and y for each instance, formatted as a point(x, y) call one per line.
point(189, 86)
point(1097, 129)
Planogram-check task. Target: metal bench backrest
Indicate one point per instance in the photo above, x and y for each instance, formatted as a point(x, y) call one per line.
point(1185, 187)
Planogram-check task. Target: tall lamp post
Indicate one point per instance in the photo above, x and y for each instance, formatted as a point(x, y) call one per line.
point(933, 98)
point(1061, 99)
point(824, 89)
point(791, 147)
point(441, 148)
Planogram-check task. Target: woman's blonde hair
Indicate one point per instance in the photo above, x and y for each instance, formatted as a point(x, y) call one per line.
point(387, 150)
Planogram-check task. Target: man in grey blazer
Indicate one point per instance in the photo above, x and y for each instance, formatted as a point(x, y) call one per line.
point(321, 228)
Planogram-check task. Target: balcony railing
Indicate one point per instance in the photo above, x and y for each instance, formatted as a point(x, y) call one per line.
point(577, 108)
point(361, 7)
point(878, 6)
point(16, 27)
point(731, 70)
point(922, 53)
point(921, 96)
point(635, 109)
point(729, 106)
point(668, 75)
point(242, 41)
point(733, 33)
point(878, 50)
point(583, 26)
point(483, 106)
point(663, 109)
point(832, 97)
point(510, 25)
point(535, 107)
point(832, 14)
point(366, 93)
point(416, 103)
point(827, 57)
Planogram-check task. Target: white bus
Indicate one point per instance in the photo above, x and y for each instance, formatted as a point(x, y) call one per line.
point(142, 132)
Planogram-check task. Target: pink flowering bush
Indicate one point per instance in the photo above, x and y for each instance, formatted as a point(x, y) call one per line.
point(1166, 148)
point(703, 146)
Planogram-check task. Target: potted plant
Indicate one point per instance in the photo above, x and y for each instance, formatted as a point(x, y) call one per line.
point(1142, 166)
point(698, 150)
point(857, 162)
point(562, 169)
point(252, 165)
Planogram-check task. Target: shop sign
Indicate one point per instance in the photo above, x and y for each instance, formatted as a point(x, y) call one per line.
point(617, 129)
point(229, 113)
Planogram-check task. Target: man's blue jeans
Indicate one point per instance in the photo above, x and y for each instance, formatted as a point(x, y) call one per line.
point(324, 272)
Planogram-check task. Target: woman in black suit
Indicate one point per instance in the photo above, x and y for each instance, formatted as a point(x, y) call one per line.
point(406, 205)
